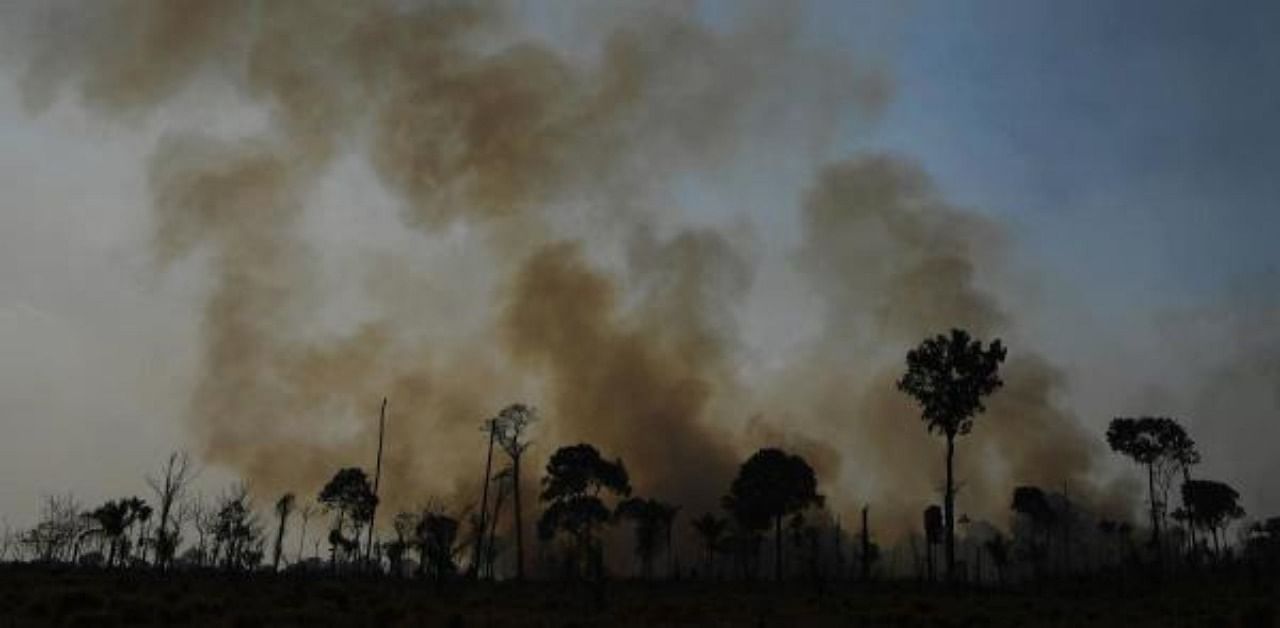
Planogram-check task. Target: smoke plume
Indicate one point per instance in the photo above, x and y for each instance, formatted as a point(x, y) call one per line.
point(598, 302)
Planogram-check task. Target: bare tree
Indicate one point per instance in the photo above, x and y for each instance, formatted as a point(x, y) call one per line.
point(503, 480)
point(56, 537)
point(169, 485)
point(284, 507)
point(205, 520)
point(306, 512)
point(180, 514)
point(513, 422)
point(377, 479)
point(482, 518)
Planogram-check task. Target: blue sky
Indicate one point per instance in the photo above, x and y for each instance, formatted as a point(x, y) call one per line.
point(1132, 146)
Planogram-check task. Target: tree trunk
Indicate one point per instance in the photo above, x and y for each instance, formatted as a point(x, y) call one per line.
point(1155, 517)
point(710, 560)
point(333, 546)
point(866, 547)
point(671, 556)
point(163, 550)
point(777, 548)
point(377, 477)
point(950, 508)
point(977, 562)
point(302, 537)
point(478, 552)
point(515, 478)
point(275, 560)
point(928, 555)
point(490, 556)
point(1191, 527)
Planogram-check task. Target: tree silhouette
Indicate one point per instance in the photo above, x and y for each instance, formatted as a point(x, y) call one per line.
point(1264, 542)
point(205, 519)
point(350, 495)
point(1182, 455)
point(512, 423)
point(998, 548)
point(60, 531)
point(652, 521)
point(667, 518)
point(169, 487)
point(1031, 503)
point(503, 480)
point(308, 509)
point(576, 476)
point(744, 544)
point(404, 524)
point(284, 507)
point(112, 519)
point(141, 513)
point(481, 523)
point(869, 552)
point(770, 485)
point(236, 531)
point(1212, 506)
point(933, 534)
point(711, 529)
point(436, 535)
point(949, 376)
point(804, 538)
point(1152, 442)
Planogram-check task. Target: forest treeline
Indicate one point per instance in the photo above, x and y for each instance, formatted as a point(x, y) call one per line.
point(772, 522)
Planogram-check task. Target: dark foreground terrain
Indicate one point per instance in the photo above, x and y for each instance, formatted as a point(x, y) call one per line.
point(37, 597)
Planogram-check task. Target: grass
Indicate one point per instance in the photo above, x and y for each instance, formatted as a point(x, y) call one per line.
point(32, 596)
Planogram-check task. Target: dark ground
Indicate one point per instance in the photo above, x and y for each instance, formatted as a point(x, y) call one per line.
point(31, 596)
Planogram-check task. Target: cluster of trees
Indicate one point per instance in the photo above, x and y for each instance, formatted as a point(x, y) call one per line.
point(1168, 453)
point(774, 497)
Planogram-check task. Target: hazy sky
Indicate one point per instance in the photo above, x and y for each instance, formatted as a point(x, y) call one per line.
point(1130, 149)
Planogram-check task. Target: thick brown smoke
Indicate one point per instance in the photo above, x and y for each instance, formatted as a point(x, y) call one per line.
point(897, 263)
point(617, 323)
point(638, 387)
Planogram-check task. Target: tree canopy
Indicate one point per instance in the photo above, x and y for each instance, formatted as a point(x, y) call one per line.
point(949, 376)
point(1148, 439)
point(576, 476)
point(1211, 504)
point(350, 493)
point(770, 485)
